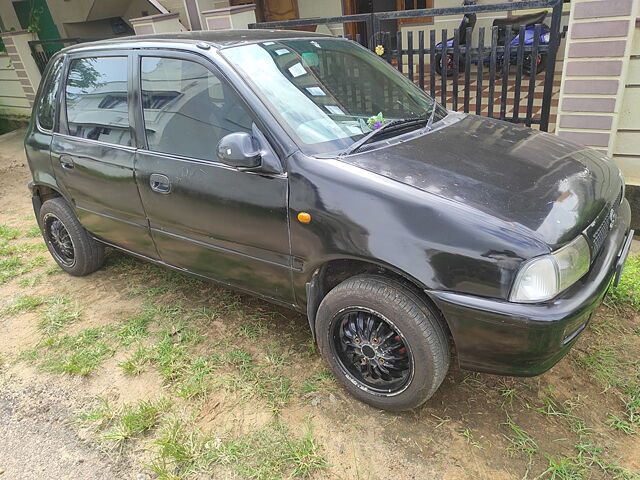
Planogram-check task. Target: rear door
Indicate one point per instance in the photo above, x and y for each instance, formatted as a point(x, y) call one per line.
point(214, 220)
point(93, 154)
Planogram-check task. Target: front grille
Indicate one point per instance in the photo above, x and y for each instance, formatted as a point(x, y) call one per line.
point(598, 234)
point(618, 199)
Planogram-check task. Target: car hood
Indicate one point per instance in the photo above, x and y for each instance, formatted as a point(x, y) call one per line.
point(550, 186)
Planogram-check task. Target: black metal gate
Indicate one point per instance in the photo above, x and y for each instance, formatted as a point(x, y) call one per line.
point(496, 74)
point(43, 50)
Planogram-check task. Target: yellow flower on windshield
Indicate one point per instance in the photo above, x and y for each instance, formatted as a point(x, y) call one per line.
point(379, 50)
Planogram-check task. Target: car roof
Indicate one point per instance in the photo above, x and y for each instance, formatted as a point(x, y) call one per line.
point(216, 39)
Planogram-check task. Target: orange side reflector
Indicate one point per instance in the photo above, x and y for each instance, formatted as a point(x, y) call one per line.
point(304, 217)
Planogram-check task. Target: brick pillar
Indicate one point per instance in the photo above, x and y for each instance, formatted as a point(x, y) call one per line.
point(17, 46)
point(160, 23)
point(599, 44)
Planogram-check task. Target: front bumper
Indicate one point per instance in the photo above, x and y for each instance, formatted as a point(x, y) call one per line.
point(496, 336)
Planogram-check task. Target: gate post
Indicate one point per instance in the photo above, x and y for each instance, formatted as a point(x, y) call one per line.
point(551, 66)
point(17, 46)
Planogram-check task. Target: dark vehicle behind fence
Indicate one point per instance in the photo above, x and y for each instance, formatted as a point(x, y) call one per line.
point(306, 170)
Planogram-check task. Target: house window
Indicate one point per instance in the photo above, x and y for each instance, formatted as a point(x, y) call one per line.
point(414, 5)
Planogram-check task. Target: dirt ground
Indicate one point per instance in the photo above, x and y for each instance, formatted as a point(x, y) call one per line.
point(237, 390)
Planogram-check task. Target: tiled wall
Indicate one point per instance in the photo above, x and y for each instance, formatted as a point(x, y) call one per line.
point(599, 81)
point(626, 146)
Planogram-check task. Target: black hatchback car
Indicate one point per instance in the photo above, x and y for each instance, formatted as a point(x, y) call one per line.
point(304, 169)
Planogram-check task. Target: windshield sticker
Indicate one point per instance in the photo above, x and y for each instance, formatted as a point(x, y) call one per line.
point(281, 51)
point(316, 91)
point(334, 109)
point(297, 70)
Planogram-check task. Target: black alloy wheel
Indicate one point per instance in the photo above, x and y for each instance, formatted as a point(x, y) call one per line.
point(57, 236)
point(70, 245)
point(371, 351)
point(383, 341)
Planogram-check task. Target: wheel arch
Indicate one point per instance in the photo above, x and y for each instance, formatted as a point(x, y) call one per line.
point(40, 193)
point(335, 271)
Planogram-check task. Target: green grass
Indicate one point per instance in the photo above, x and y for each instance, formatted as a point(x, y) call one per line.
point(8, 233)
point(37, 261)
point(25, 303)
point(520, 440)
point(118, 425)
point(77, 354)
point(98, 417)
point(627, 293)
point(15, 249)
point(33, 232)
point(551, 406)
point(466, 433)
point(30, 282)
point(11, 268)
point(137, 362)
point(610, 365)
point(134, 420)
point(257, 378)
point(629, 421)
point(316, 382)
point(269, 453)
point(136, 327)
point(589, 460)
point(60, 311)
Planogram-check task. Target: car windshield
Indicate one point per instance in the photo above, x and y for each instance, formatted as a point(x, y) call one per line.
point(328, 93)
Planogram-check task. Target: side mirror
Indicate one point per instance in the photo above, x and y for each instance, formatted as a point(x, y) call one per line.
point(239, 150)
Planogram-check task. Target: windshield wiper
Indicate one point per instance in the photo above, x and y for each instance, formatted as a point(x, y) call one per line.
point(402, 122)
point(433, 112)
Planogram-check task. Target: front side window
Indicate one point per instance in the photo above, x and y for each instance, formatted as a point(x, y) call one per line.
point(187, 109)
point(96, 97)
point(325, 91)
point(47, 106)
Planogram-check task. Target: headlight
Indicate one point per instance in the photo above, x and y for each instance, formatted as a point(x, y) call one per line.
point(544, 277)
point(546, 37)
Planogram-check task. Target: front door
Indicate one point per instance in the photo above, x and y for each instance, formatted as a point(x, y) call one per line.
point(214, 220)
point(93, 154)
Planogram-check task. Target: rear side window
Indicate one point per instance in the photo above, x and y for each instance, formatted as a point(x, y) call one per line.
point(47, 107)
point(96, 97)
point(188, 109)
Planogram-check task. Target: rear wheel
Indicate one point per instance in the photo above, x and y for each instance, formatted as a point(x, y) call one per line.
point(540, 60)
point(445, 64)
point(383, 342)
point(74, 250)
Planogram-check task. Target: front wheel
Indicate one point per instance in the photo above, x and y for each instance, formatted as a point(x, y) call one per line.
point(70, 245)
point(383, 342)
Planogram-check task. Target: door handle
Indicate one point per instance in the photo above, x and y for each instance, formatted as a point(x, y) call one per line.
point(160, 183)
point(66, 162)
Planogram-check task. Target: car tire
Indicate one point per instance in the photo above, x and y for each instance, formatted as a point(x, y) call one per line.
point(541, 67)
point(348, 324)
point(70, 245)
point(449, 71)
